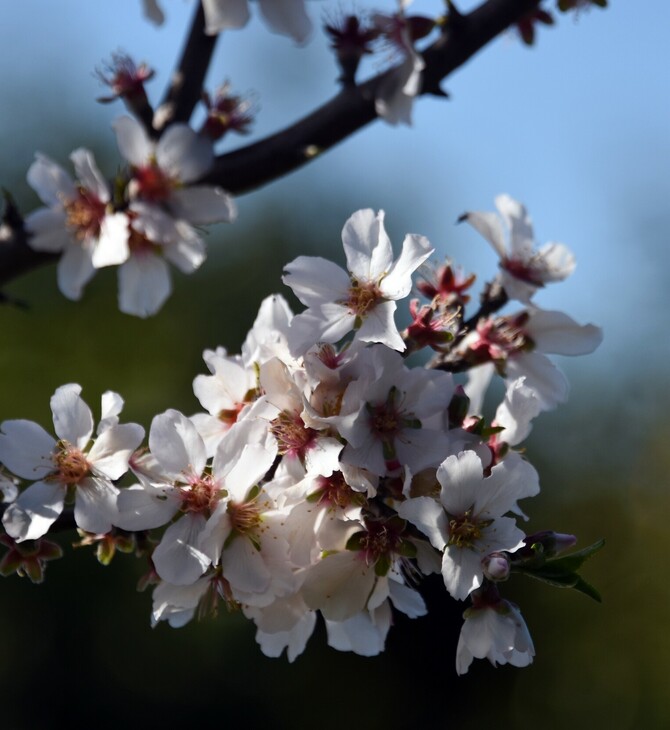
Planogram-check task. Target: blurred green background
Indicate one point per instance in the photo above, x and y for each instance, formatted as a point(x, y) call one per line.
point(79, 648)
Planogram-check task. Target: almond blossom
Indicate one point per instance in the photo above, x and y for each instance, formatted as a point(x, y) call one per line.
point(524, 269)
point(468, 523)
point(165, 173)
point(494, 629)
point(362, 299)
point(71, 462)
point(78, 222)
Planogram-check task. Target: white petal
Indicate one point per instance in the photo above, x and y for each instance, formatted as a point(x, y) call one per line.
point(429, 517)
point(366, 245)
point(461, 478)
point(315, 280)
point(244, 567)
point(26, 449)
point(89, 174)
point(134, 143)
point(222, 15)
point(379, 326)
point(556, 332)
point(518, 221)
point(112, 449)
point(73, 420)
point(287, 17)
point(178, 558)
point(75, 270)
point(35, 510)
point(339, 585)
point(461, 571)
point(145, 509)
point(95, 505)
point(489, 226)
point(111, 248)
point(177, 445)
point(50, 181)
point(183, 154)
point(188, 252)
point(48, 230)
point(542, 376)
point(144, 284)
point(203, 204)
point(398, 283)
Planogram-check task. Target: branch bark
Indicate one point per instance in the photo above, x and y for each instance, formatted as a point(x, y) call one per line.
point(255, 165)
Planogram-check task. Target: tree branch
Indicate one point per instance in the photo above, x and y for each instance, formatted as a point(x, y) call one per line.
point(255, 165)
point(353, 108)
point(187, 81)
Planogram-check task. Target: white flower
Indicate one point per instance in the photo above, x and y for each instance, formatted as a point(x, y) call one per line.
point(30, 452)
point(226, 395)
point(155, 239)
point(395, 417)
point(287, 17)
point(524, 269)
point(516, 344)
point(467, 522)
point(495, 631)
point(362, 299)
point(163, 172)
point(79, 221)
point(397, 90)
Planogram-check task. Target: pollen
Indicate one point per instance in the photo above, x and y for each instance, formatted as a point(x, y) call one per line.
point(362, 297)
point(464, 531)
point(245, 517)
point(292, 436)
point(71, 464)
point(201, 495)
point(84, 214)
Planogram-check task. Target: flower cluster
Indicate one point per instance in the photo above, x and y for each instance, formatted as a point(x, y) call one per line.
point(325, 474)
point(149, 219)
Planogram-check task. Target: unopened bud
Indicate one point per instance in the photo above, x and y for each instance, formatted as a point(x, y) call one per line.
point(458, 407)
point(496, 567)
point(546, 542)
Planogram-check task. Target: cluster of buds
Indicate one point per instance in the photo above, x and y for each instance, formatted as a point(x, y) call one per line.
point(324, 475)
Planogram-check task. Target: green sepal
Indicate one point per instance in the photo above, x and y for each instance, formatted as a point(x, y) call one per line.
point(407, 549)
point(562, 572)
point(355, 542)
point(10, 563)
point(33, 569)
point(314, 496)
point(104, 551)
point(253, 492)
point(383, 565)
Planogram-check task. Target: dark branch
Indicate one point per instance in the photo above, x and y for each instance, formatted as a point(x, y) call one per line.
point(187, 81)
point(257, 164)
point(353, 108)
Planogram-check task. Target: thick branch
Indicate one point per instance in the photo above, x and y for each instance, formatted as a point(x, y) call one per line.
point(251, 167)
point(257, 164)
point(187, 81)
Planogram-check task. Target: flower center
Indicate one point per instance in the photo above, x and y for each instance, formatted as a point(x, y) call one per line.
point(84, 214)
point(362, 297)
point(245, 517)
point(71, 464)
point(335, 492)
point(292, 436)
point(503, 336)
point(153, 184)
point(201, 494)
point(465, 530)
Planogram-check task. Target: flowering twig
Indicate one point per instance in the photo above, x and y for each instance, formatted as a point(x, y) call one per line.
point(257, 164)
